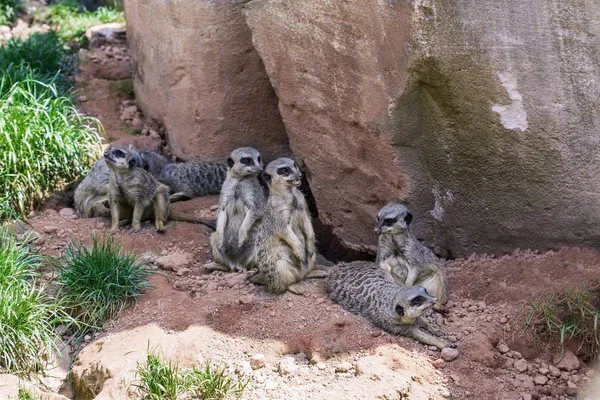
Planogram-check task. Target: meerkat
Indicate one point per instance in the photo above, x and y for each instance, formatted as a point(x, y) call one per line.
point(192, 179)
point(135, 194)
point(92, 191)
point(241, 206)
point(153, 162)
point(363, 288)
point(406, 260)
point(285, 245)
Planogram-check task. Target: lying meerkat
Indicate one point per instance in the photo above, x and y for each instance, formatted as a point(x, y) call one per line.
point(135, 194)
point(153, 162)
point(241, 206)
point(285, 246)
point(92, 191)
point(365, 289)
point(192, 179)
point(406, 260)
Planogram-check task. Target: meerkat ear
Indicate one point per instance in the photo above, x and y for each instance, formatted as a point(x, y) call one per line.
point(265, 177)
point(230, 162)
point(408, 218)
point(399, 310)
point(131, 147)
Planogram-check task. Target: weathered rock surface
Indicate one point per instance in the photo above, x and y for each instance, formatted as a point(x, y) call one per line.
point(195, 70)
point(10, 384)
point(479, 114)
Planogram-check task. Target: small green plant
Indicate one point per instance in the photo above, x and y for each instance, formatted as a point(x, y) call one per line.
point(8, 10)
point(71, 20)
point(27, 313)
point(100, 281)
point(123, 87)
point(44, 144)
point(563, 316)
point(24, 394)
point(161, 380)
point(213, 382)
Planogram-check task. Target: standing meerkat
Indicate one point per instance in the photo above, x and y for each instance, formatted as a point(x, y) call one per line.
point(192, 179)
point(406, 260)
point(365, 289)
point(135, 194)
point(241, 206)
point(285, 246)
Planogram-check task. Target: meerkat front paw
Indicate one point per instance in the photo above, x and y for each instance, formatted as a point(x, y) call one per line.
point(135, 230)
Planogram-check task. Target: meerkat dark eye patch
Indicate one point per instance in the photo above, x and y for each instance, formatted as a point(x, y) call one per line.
point(417, 301)
point(283, 171)
point(408, 218)
point(259, 160)
point(118, 153)
point(230, 162)
point(246, 160)
point(399, 310)
point(389, 221)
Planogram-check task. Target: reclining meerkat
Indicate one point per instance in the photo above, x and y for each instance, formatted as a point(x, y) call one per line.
point(92, 191)
point(153, 162)
point(241, 207)
point(285, 246)
point(406, 260)
point(364, 289)
point(135, 194)
point(192, 179)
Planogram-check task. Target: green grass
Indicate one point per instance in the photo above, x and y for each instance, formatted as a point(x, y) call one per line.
point(123, 87)
point(165, 380)
point(8, 10)
point(44, 144)
point(24, 394)
point(71, 21)
point(572, 314)
point(43, 57)
point(100, 281)
point(27, 314)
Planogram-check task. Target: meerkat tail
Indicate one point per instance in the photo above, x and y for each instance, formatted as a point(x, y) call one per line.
point(179, 216)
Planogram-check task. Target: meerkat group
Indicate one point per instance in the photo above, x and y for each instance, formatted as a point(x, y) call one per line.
point(270, 230)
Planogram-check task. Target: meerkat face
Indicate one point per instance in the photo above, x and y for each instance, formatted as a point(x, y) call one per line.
point(283, 172)
point(245, 161)
point(393, 218)
point(411, 303)
point(117, 157)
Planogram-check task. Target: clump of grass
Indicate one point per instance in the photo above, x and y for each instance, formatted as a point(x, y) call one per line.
point(162, 380)
point(213, 382)
point(42, 57)
point(8, 10)
point(572, 314)
point(24, 394)
point(123, 87)
point(44, 144)
point(99, 282)
point(159, 380)
point(71, 20)
point(27, 314)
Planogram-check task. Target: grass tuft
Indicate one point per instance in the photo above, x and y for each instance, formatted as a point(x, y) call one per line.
point(24, 394)
point(99, 282)
point(8, 10)
point(162, 380)
point(563, 316)
point(44, 144)
point(27, 314)
point(71, 20)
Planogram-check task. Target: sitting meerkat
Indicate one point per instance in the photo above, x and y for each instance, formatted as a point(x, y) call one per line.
point(135, 194)
point(285, 246)
point(364, 289)
point(241, 207)
point(406, 260)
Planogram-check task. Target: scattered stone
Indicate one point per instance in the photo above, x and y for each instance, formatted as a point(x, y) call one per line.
point(571, 388)
point(246, 299)
point(449, 354)
point(234, 279)
point(49, 229)
point(568, 362)
point(540, 380)
point(343, 367)
point(439, 363)
point(137, 124)
point(287, 365)
point(257, 361)
point(174, 261)
point(106, 33)
point(183, 272)
point(527, 397)
point(82, 98)
point(521, 365)
point(503, 348)
point(67, 213)
point(129, 113)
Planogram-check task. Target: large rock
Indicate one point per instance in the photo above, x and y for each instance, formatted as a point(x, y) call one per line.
point(481, 115)
point(195, 70)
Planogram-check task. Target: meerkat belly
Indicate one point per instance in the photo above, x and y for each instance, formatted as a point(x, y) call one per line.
point(397, 269)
